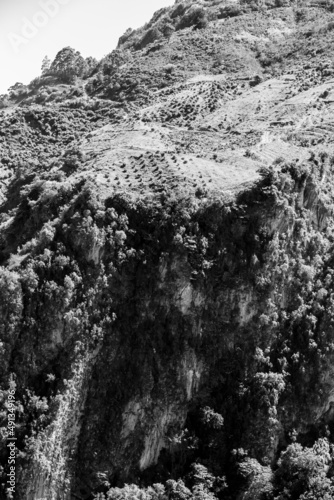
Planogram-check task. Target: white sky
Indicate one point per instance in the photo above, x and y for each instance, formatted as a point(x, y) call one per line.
point(32, 29)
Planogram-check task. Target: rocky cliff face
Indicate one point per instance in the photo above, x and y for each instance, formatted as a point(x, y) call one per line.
point(166, 247)
point(183, 305)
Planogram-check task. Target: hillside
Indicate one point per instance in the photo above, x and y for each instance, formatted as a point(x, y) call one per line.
point(166, 261)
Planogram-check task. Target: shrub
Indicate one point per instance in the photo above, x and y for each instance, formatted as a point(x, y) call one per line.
point(212, 419)
point(150, 36)
point(300, 15)
point(35, 83)
point(133, 492)
point(195, 16)
point(73, 158)
point(230, 11)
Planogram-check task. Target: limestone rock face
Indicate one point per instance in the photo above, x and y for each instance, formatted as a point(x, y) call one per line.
point(200, 316)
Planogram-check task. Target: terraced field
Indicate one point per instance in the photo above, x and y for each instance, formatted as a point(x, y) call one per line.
point(143, 160)
point(209, 136)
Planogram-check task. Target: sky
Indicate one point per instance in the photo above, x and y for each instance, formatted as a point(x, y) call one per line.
point(33, 29)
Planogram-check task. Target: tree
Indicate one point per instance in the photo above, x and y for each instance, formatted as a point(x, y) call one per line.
point(90, 65)
point(177, 490)
point(3, 100)
point(17, 90)
point(68, 64)
point(302, 472)
point(45, 65)
point(205, 484)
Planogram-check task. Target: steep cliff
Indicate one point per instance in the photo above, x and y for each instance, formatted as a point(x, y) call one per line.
point(166, 251)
